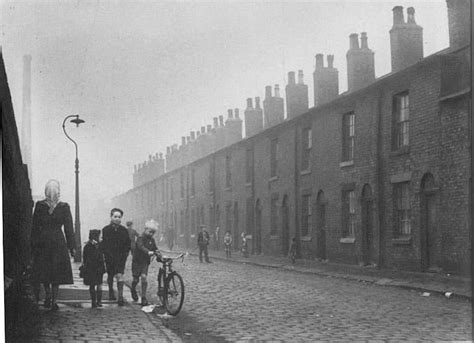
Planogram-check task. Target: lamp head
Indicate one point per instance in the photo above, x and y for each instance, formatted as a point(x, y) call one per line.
point(77, 121)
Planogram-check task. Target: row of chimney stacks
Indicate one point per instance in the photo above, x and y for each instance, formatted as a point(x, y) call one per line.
point(406, 41)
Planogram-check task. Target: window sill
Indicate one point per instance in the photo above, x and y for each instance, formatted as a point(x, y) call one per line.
point(248, 184)
point(210, 193)
point(401, 240)
point(400, 151)
point(347, 240)
point(228, 189)
point(346, 164)
point(273, 178)
point(274, 237)
point(305, 172)
point(306, 239)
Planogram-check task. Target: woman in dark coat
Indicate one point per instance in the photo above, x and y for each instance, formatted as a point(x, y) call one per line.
point(93, 267)
point(51, 263)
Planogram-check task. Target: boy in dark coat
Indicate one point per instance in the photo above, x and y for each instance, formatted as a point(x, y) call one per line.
point(115, 245)
point(93, 267)
point(146, 247)
point(203, 242)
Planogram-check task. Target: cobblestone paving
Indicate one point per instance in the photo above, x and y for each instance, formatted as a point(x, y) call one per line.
point(77, 322)
point(241, 302)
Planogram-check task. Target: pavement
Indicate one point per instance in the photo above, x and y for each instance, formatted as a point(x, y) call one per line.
point(76, 321)
point(439, 282)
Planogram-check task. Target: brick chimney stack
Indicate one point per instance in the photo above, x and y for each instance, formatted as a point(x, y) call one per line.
point(253, 117)
point(406, 39)
point(459, 21)
point(326, 80)
point(233, 126)
point(296, 95)
point(273, 107)
point(360, 63)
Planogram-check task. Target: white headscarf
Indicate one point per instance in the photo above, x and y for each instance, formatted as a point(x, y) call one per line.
point(52, 193)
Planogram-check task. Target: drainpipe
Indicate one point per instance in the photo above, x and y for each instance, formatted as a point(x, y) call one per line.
point(380, 183)
point(297, 197)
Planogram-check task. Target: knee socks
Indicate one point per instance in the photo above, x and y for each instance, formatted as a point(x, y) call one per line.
point(120, 289)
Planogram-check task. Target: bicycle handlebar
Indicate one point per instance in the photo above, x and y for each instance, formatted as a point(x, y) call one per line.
point(166, 259)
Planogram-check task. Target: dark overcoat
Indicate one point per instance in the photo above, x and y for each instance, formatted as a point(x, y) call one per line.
point(115, 245)
point(51, 263)
point(93, 262)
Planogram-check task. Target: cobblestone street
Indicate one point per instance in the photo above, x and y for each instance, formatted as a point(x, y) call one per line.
point(234, 301)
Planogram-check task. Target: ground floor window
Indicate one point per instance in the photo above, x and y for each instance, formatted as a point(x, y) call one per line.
point(402, 210)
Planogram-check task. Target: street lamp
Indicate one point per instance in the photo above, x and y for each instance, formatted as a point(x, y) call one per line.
point(77, 221)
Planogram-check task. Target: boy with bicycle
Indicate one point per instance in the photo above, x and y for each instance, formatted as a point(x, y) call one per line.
point(145, 248)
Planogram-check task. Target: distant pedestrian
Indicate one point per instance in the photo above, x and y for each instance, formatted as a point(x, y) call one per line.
point(51, 263)
point(146, 247)
point(244, 248)
point(170, 237)
point(93, 267)
point(116, 245)
point(203, 242)
point(228, 244)
point(292, 251)
point(217, 237)
point(133, 235)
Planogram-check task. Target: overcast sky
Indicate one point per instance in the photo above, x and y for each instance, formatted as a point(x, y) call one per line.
point(144, 74)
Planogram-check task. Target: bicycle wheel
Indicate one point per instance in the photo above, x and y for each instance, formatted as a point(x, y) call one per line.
point(175, 294)
point(161, 286)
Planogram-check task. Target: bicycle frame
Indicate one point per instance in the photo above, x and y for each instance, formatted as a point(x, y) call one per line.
point(165, 275)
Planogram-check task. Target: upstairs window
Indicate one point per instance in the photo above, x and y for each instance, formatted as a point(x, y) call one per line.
point(273, 157)
point(181, 184)
point(228, 171)
point(193, 181)
point(306, 145)
point(212, 175)
point(274, 215)
point(348, 135)
point(401, 120)
point(249, 166)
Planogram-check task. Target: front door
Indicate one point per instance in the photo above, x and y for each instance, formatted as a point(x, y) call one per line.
point(428, 243)
point(285, 236)
point(368, 250)
point(258, 228)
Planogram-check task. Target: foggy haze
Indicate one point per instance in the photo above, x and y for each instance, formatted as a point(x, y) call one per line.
point(144, 74)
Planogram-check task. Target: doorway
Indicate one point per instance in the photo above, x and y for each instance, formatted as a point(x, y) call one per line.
point(428, 234)
point(321, 226)
point(258, 227)
point(368, 242)
point(285, 226)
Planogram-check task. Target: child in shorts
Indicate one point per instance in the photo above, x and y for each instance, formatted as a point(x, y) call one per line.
point(93, 267)
point(145, 248)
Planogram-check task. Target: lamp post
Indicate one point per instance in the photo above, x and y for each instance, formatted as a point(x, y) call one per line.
point(77, 221)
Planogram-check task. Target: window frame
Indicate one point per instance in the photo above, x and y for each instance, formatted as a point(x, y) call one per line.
point(401, 121)
point(273, 157)
point(348, 136)
point(349, 204)
point(306, 215)
point(306, 145)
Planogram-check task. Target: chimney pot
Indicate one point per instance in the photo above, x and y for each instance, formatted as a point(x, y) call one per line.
point(363, 40)
point(300, 77)
point(319, 61)
point(411, 15)
point(221, 120)
point(161, 155)
point(198, 133)
point(277, 91)
point(236, 113)
point(249, 103)
point(354, 41)
point(193, 135)
point(209, 128)
point(183, 140)
point(216, 122)
point(291, 78)
point(268, 92)
point(330, 61)
point(257, 103)
point(188, 139)
point(229, 114)
point(203, 129)
point(398, 15)
point(149, 157)
point(168, 150)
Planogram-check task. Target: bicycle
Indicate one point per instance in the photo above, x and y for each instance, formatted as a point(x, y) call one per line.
point(170, 285)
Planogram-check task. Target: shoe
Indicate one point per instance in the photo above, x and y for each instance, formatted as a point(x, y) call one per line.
point(209, 261)
point(134, 294)
point(99, 304)
point(121, 301)
point(112, 295)
point(94, 304)
point(144, 302)
point(54, 307)
point(47, 303)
